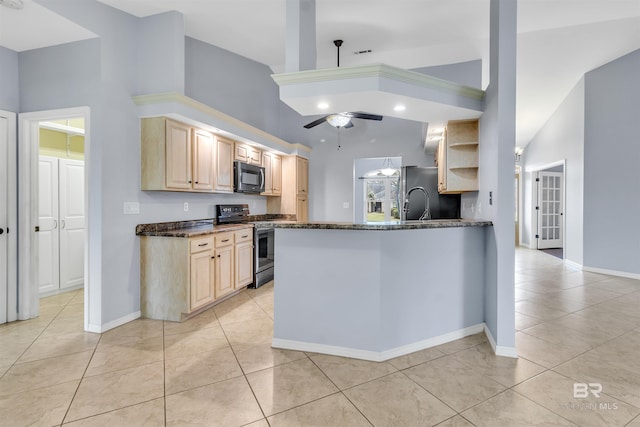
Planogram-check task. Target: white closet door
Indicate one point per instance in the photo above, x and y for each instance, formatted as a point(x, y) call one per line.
point(550, 210)
point(4, 216)
point(71, 207)
point(48, 241)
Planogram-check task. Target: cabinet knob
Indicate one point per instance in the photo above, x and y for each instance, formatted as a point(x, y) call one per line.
point(196, 182)
point(189, 182)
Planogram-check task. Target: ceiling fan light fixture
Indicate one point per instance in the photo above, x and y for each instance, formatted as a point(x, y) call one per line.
point(12, 4)
point(338, 120)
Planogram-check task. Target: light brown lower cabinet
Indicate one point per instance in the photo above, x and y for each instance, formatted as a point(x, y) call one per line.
point(224, 259)
point(180, 276)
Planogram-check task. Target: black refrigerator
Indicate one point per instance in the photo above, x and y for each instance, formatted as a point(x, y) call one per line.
point(441, 206)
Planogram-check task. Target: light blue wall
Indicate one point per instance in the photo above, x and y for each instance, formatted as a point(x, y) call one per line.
point(231, 83)
point(160, 54)
point(561, 138)
point(496, 175)
point(61, 76)
point(611, 158)
point(9, 93)
point(467, 73)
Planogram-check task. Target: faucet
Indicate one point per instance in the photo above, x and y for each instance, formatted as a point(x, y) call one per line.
point(426, 214)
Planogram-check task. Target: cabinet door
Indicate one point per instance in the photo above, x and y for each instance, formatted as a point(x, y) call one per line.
point(224, 282)
point(241, 153)
point(302, 178)
point(268, 180)
point(302, 209)
point(276, 175)
point(255, 156)
point(202, 276)
point(244, 264)
point(223, 170)
point(178, 156)
point(442, 166)
point(202, 160)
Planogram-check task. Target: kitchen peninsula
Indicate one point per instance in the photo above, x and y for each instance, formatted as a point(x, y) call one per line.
point(376, 291)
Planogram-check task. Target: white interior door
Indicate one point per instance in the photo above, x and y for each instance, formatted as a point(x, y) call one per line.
point(71, 207)
point(4, 216)
point(48, 236)
point(550, 210)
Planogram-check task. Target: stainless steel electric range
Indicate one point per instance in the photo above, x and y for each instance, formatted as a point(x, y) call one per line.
point(263, 242)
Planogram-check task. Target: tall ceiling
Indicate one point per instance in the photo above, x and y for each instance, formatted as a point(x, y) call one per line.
point(558, 40)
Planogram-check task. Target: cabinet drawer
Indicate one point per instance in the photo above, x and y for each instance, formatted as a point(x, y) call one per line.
point(224, 239)
point(201, 244)
point(244, 235)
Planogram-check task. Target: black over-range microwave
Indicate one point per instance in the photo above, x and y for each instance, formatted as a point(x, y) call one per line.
point(247, 178)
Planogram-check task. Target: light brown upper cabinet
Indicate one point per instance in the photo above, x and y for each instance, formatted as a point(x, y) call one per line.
point(179, 157)
point(223, 166)
point(203, 144)
point(248, 154)
point(457, 158)
point(272, 164)
point(294, 198)
point(302, 176)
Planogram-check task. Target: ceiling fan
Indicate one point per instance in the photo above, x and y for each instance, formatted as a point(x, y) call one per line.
point(342, 120)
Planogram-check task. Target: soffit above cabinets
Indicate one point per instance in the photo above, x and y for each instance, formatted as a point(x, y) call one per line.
point(379, 89)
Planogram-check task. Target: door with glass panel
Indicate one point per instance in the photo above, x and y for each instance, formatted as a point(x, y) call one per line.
point(381, 199)
point(550, 209)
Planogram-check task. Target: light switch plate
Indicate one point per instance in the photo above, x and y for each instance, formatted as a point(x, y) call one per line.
point(345, 205)
point(131, 208)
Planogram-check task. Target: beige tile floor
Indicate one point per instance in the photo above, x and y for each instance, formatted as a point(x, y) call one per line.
point(219, 369)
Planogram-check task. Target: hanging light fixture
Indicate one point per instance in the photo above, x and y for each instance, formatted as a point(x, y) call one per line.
point(338, 120)
point(387, 167)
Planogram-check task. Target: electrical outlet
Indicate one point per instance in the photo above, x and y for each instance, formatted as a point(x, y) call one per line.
point(186, 207)
point(345, 205)
point(490, 198)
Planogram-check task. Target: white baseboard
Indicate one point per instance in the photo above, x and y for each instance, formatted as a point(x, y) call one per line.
point(98, 329)
point(377, 356)
point(572, 264)
point(499, 350)
point(611, 272)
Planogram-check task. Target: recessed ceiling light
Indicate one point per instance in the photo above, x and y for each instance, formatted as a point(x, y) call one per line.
point(323, 105)
point(399, 108)
point(436, 131)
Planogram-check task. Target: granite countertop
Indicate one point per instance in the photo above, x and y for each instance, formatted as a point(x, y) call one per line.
point(201, 227)
point(187, 228)
point(405, 225)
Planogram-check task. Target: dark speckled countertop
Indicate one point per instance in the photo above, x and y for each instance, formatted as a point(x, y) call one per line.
point(405, 225)
point(189, 231)
point(201, 227)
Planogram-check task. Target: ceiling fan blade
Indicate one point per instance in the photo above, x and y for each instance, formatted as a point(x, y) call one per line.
point(366, 116)
point(316, 122)
point(348, 125)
